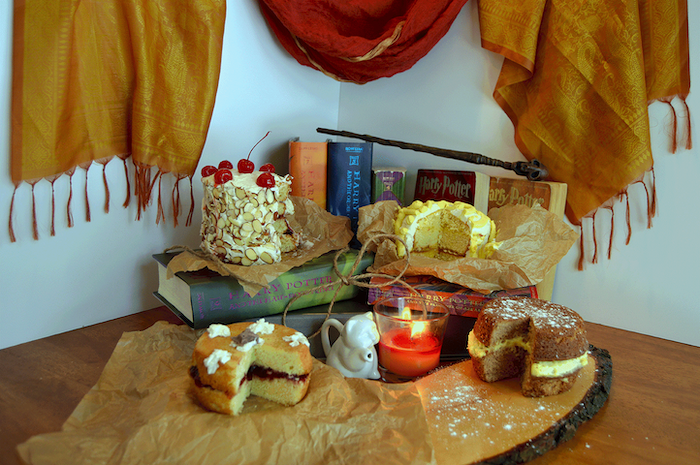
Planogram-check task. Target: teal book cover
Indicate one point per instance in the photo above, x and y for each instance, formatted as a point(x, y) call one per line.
point(204, 297)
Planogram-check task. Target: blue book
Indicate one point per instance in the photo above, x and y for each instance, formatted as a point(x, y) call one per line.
point(349, 180)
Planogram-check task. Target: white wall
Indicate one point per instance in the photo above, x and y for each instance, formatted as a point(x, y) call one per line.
point(103, 269)
point(445, 100)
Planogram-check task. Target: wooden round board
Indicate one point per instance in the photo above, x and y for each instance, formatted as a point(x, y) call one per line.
point(473, 422)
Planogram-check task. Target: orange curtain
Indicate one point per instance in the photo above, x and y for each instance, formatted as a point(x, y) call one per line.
point(95, 79)
point(576, 81)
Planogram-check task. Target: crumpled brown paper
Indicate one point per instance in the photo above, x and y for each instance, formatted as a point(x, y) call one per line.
point(139, 412)
point(321, 232)
point(533, 241)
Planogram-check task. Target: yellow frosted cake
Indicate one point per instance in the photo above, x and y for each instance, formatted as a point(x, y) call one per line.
point(445, 230)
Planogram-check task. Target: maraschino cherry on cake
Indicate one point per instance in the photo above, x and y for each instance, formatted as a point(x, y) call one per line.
point(244, 213)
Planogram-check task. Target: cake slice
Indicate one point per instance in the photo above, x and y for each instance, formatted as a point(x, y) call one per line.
point(231, 362)
point(542, 342)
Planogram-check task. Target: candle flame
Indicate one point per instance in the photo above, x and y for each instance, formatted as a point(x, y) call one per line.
point(418, 328)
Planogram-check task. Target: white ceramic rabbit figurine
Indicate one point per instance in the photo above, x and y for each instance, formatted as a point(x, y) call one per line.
point(353, 353)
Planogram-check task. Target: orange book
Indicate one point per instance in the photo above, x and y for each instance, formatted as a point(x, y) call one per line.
point(307, 166)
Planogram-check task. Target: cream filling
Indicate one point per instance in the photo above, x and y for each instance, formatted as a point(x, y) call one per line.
point(544, 369)
point(555, 369)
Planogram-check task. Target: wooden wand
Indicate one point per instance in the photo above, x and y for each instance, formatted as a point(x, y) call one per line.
point(533, 170)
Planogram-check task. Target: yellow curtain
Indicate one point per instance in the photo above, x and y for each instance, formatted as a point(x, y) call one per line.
point(576, 81)
point(95, 79)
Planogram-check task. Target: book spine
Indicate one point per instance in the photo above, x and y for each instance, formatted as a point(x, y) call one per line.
point(447, 185)
point(224, 301)
point(307, 166)
point(388, 184)
point(459, 301)
point(349, 179)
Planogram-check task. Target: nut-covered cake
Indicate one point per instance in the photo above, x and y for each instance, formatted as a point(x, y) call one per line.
point(244, 214)
point(542, 342)
point(231, 362)
point(445, 230)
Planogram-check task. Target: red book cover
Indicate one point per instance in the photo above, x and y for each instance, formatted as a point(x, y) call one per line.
point(470, 187)
point(458, 299)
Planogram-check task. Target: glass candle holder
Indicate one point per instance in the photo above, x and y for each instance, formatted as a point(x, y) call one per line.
point(411, 331)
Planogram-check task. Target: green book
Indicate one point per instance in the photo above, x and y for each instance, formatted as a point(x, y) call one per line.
point(203, 297)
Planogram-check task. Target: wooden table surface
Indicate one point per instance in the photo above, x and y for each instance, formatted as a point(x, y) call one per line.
point(652, 415)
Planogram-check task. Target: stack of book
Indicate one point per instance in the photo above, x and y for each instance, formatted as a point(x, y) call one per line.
point(203, 297)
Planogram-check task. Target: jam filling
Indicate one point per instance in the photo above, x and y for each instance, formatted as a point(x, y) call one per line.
point(254, 371)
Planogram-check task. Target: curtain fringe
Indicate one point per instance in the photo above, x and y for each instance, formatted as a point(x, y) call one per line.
point(189, 217)
point(35, 228)
point(53, 207)
point(87, 200)
point(160, 213)
point(12, 208)
point(104, 179)
point(69, 212)
point(650, 191)
point(143, 185)
point(127, 200)
point(688, 128)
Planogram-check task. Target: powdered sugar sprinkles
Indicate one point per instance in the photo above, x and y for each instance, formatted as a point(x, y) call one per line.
point(470, 418)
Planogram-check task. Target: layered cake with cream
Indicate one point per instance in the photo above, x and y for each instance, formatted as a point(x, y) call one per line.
point(543, 343)
point(244, 215)
point(231, 362)
point(444, 230)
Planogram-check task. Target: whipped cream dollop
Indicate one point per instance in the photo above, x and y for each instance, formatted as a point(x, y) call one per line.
point(262, 327)
point(218, 330)
point(218, 356)
point(296, 339)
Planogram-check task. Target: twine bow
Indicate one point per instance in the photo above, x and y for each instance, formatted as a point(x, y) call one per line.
point(355, 280)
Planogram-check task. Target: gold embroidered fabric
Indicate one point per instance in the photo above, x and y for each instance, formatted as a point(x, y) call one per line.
point(103, 78)
point(576, 81)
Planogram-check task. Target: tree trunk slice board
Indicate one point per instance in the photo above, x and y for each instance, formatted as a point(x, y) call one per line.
point(474, 422)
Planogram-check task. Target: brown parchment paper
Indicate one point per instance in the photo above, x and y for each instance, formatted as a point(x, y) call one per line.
point(533, 240)
point(139, 412)
point(321, 232)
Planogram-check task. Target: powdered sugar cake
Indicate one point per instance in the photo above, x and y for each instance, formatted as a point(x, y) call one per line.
point(543, 343)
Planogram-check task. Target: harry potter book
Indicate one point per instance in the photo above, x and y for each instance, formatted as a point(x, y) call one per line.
point(203, 297)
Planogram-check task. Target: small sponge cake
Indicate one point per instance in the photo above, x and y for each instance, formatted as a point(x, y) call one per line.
point(230, 362)
point(540, 341)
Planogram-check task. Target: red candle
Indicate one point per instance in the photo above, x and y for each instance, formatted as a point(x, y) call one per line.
point(410, 356)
